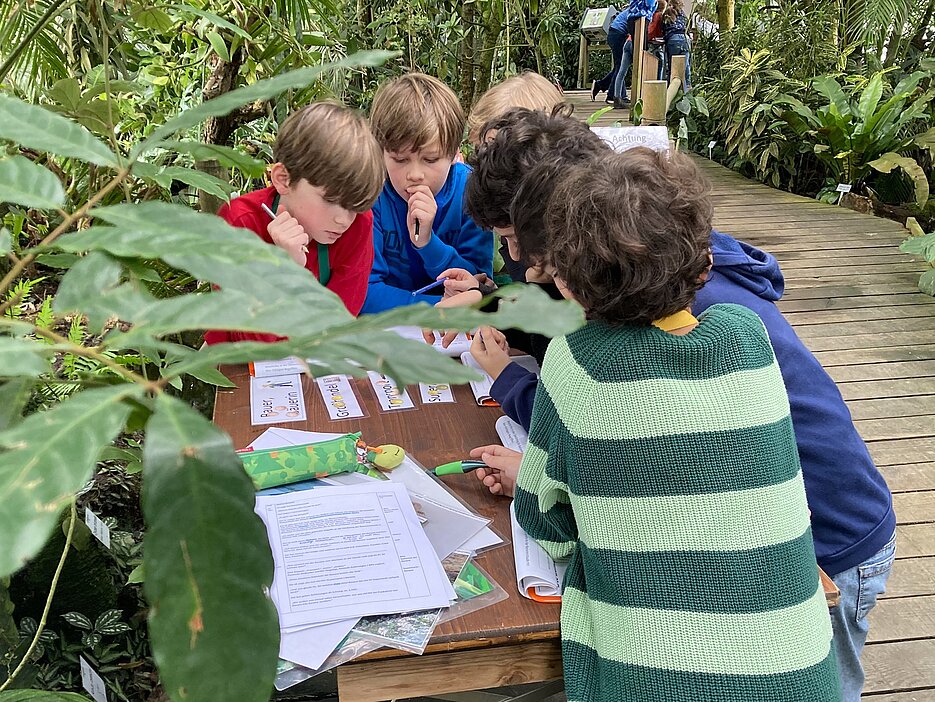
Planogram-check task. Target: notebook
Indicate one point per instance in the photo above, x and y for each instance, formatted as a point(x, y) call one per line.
point(481, 388)
point(538, 577)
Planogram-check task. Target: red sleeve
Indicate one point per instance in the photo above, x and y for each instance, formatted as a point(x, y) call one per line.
point(351, 258)
point(655, 27)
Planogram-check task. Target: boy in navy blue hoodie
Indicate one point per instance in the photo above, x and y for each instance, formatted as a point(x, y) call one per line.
point(853, 523)
point(420, 228)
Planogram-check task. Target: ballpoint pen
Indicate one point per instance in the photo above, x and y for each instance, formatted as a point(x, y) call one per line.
point(272, 215)
point(440, 281)
point(456, 467)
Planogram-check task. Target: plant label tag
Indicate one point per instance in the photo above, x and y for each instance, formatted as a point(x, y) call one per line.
point(843, 188)
point(435, 393)
point(92, 682)
point(389, 395)
point(287, 366)
point(711, 144)
point(339, 397)
point(97, 526)
point(276, 399)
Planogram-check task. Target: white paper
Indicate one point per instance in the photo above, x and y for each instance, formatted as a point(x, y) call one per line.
point(534, 567)
point(481, 388)
point(100, 530)
point(310, 646)
point(277, 437)
point(339, 397)
point(459, 345)
point(276, 399)
point(623, 138)
point(435, 393)
point(389, 395)
point(843, 188)
point(92, 682)
point(354, 551)
point(446, 528)
point(512, 435)
point(286, 366)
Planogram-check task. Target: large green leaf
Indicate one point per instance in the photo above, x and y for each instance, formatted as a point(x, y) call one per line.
point(45, 458)
point(29, 184)
point(214, 632)
point(40, 696)
point(37, 128)
point(870, 98)
point(926, 140)
point(927, 282)
point(923, 246)
point(197, 179)
point(13, 397)
point(830, 89)
point(22, 357)
point(6, 241)
point(261, 90)
point(214, 19)
point(225, 155)
point(888, 161)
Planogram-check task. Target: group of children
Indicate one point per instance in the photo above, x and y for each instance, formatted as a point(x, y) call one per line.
point(670, 455)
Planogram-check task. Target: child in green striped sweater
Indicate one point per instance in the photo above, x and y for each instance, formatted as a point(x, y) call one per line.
point(661, 460)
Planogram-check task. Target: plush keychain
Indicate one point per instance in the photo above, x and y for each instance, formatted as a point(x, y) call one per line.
point(345, 454)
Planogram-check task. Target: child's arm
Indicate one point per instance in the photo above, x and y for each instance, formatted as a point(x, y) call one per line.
point(515, 391)
point(352, 262)
point(541, 500)
point(473, 252)
point(381, 295)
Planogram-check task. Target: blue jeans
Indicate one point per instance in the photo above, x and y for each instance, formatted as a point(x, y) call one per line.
point(860, 586)
point(620, 84)
point(676, 46)
point(616, 40)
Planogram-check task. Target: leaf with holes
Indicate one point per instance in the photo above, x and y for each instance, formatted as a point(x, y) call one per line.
point(37, 128)
point(45, 459)
point(26, 183)
point(215, 634)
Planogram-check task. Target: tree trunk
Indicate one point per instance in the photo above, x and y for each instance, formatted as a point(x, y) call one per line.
point(487, 51)
point(467, 54)
point(725, 15)
point(218, 130)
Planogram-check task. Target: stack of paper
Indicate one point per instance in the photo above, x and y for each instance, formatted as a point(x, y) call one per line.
point(352, 547)
point(481, 388)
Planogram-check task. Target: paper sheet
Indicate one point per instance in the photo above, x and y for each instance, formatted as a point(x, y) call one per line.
point(287, 366)
point(345, 552)
point(534, 567)
point(512, 435)
point(310, 646)
point(459, 345)
point(481, 388)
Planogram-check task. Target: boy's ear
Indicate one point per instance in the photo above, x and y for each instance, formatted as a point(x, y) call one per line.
point(280, 178)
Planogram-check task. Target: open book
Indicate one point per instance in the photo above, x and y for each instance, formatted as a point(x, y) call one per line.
point(538, 577)
point(481, 388)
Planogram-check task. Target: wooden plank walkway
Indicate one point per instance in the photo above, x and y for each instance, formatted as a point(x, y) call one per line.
point(852, 297)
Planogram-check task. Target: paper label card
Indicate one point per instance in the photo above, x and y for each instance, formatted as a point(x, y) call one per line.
point(435, 393)
point(711, 145)
point(389, 395)
point(92, 682)
point(97, 526)
point(266, 369)
point(339, 397)
point(843, 187)
point(276, 399)
point(623, 138)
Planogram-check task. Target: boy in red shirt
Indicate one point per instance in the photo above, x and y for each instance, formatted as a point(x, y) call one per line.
point(327, 174)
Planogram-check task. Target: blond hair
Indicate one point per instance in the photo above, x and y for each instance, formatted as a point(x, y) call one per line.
point(414, 111)
point(528, 89)
point(332, 148)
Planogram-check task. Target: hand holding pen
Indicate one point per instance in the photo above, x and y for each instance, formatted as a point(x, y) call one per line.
point(288, 234)
point(421, 215)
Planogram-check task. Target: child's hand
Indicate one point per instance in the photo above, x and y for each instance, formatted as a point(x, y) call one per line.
point(460, 280)
point(490, 350)
point(290, 236)
point(499, 475)
point(468, 297)
point(422, 207)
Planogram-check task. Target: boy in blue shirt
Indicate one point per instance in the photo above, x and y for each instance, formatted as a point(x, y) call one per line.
point(420, 228)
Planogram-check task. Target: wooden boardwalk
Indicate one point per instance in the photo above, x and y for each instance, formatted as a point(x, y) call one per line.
point(852, 297)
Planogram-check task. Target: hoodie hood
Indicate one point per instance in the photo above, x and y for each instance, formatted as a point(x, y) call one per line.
point(746, 266)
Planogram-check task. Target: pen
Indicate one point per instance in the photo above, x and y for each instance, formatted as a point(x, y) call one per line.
point(456, 467)
point(440, 281)
point(417, 230)
point(272, 215)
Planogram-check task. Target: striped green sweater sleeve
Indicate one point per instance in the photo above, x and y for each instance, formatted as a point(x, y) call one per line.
point(666, 469)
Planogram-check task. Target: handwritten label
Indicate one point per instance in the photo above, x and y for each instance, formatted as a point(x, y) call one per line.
point(276, 399)
point(267, 369)
point(388, 394)
point(433, 394)
point(623, 138)
point(100, 530)
point(339, 397)
point(843, 188)
point(92, 682)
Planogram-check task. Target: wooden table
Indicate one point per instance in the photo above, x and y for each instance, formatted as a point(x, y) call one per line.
point(513, 642)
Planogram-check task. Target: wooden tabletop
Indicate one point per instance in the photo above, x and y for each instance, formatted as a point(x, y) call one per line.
point(432, 434)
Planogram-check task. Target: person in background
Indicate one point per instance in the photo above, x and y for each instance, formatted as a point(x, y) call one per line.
point(616, 39)
point(674, 33)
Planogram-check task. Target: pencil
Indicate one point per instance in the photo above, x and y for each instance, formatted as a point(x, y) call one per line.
point(272, 215)
point(421, 290)
point(417, 230)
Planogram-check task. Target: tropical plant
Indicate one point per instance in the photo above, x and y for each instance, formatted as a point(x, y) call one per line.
point(857, 133)
point(921, 244)
point(197, 500)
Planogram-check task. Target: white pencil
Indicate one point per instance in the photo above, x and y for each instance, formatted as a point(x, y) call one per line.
point(272, 215)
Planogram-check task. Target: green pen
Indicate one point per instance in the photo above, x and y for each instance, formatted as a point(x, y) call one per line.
point(457, 467)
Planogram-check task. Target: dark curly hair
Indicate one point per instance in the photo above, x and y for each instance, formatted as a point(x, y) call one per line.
point(629, 233)
point(510, 146)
